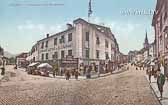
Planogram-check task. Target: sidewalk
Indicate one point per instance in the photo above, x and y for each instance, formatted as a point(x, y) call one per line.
point(154, 86)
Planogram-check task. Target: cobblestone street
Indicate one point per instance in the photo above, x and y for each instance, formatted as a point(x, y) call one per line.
point(126, 88)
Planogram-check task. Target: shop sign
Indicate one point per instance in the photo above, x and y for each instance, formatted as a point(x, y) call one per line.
point(57, 48)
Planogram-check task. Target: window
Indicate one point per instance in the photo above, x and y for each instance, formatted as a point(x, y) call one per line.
point(69, 37)
point(34, 59)
point(97, 54)
point(62, 54)
point(161, 23)
point(55, 55)
point(46, 55)
point(97, 41)
point(42, 57)
point(62, 39)
point(106, 43)
point(55, 41)
point(165, 16)
point(87, 53)
point(69, 52)
point(87, 36)
point(42, 45)
point(107, 56)
point(46, 44)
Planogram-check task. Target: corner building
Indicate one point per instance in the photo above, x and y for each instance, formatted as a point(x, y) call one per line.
point(85, 41)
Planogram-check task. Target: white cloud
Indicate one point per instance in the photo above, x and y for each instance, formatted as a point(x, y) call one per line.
point(41, 27)
point(129, 35)
point(28, 25)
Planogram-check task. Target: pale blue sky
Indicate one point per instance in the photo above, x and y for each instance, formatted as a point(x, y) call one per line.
point(22, 24)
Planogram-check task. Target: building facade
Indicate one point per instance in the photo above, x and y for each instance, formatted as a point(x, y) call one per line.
point(85, 41)
point(131, 55)
point(147, 53)
point(160, 24)
point(152, 50)
point(21, 60)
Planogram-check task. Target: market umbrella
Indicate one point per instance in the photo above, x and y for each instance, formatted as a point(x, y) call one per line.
point(152, 64)
point(45, 65)
point(33, 64)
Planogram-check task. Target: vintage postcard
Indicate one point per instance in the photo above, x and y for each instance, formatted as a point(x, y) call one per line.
point(84, 52)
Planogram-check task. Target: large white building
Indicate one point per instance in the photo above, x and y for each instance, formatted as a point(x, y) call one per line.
point(82, 40)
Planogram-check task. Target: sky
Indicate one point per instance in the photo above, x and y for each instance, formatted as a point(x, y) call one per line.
point(24, 22)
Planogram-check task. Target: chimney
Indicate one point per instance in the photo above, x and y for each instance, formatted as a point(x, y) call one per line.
point(47, 35)
point(69, 26)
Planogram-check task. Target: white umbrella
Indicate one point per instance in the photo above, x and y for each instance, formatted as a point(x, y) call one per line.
point(152, 64)
point(33, 64)
point(44, 65)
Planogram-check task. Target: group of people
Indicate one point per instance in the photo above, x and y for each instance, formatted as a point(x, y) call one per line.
point(85, 70)
point(159, 75)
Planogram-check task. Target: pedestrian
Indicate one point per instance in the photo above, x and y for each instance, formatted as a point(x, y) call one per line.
point(149, 74)
point(61, 70)
point(84, 70)
point(98, 70)
point(76, 74)
point(53, 73)
point(2, 71)
point(136, 68)
point(88, 72)
point(55, 70)
point(127, 67)
point(160, 82)
point(67, 74)
point(153, 72)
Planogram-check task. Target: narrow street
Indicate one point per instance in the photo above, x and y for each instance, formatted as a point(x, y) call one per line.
point(126, 88)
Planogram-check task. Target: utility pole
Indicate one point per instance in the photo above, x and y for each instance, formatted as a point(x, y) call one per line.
point(90, 10)
point(89, 15)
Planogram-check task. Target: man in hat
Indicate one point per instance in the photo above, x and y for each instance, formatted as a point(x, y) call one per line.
point(160, 82)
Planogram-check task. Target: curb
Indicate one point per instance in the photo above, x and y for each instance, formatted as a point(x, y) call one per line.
point(153, 91)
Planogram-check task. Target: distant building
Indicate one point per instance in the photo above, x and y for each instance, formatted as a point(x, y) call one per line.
point(1, 55)
point(152, 50)
point(1, 51)
point(147, 52)
point(131, 55)
point(21, 60)
point(85, 41)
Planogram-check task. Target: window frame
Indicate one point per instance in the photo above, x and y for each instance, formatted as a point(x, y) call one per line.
point(69, 37)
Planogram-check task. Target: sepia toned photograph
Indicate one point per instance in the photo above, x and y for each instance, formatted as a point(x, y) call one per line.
point(84, 52)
